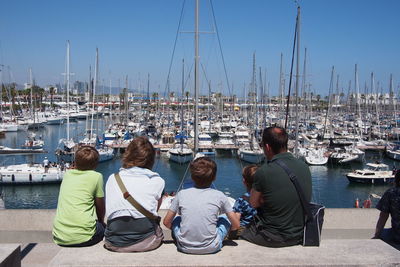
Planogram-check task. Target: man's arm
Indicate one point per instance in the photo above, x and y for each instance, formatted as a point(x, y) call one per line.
point(100, 209)
point(383, 216)
point(168, 219)
point(256, 198)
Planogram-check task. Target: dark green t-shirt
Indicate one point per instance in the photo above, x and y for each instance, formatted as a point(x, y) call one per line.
point(282, 212)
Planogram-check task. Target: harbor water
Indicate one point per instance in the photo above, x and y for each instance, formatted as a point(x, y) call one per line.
point(330, 185)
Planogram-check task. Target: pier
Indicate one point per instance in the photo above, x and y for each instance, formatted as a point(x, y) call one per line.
point(25, 240)
point(169, 146)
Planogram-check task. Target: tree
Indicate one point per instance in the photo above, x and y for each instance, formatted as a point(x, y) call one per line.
point(187, 94)
point(51, 91)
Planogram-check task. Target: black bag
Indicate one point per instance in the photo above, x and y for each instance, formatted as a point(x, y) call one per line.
point(313, 225)
point(314, 213)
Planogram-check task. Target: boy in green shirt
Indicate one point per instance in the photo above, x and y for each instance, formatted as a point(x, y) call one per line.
point(80, 210)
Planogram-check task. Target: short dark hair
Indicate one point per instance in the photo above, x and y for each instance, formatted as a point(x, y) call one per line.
point(139, 153)
point(397, 179)
point(248, 175)
point(86, 158)
point(276, 137)
point(204, 171)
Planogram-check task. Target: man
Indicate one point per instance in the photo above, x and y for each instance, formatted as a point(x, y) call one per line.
point(389, 204)
point(280, 219)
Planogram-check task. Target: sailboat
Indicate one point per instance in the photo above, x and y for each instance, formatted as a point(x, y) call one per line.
point(251, 152)
point(105, 152)
point(66, 145)
point(181, 153)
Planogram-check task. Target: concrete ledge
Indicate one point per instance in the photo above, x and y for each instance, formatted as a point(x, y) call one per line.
point(242, 253)
point(10, 255)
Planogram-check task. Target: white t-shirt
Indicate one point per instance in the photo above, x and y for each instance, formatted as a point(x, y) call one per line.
point(144, 185)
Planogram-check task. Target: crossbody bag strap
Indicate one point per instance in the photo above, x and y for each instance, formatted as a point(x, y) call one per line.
point(304, 203)
point(131, 200)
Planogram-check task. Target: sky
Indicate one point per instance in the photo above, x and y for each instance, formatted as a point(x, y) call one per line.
point(136, 40)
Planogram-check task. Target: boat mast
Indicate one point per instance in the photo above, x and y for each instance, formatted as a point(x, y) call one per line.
point(148, 99)
point(96, 69)
point(109, 99)
point(296, 144)
point(196, 77)
point(183, 88)
point(255, 111)
point(281, 87)
point(358, 101)
point(393, 105)
point(68, 74)
point(30, 83)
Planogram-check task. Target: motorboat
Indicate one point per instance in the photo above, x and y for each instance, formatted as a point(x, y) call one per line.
point(393, 151)
point(30, 174)
point(375, 173)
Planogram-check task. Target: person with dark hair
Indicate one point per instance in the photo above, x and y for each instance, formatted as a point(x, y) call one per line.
point(80, 209)
point(242, 208)
point(129, 229)
point(199, 229)
point(389, 204)
point(280, 219)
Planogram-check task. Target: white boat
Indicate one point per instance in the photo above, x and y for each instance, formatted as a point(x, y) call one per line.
point(33, 144)
point(206, 144)
point(375, 173)
point(225, 139)
point(393, 151)
point(8, 127)
point(55, 120)
point(180, 153)
point(251, 153)
point(105, 153)
point(30, 174)
point(316, 156)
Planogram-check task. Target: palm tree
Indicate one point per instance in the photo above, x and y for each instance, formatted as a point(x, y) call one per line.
point(51, 91)
point(187, 94)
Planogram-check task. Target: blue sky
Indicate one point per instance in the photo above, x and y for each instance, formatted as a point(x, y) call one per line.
point(136, 38)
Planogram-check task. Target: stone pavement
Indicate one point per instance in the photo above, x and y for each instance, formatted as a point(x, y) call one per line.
point(346, 240)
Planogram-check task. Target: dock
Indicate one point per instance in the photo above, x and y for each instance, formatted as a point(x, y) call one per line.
point(26, 240)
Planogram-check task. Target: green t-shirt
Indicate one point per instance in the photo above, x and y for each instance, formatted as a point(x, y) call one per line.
point(282, 213)
point(75, 220)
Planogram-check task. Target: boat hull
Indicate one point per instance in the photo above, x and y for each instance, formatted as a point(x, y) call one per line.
point(180, 158)
point(368, 180)
point(251, 157)
point(393, 154)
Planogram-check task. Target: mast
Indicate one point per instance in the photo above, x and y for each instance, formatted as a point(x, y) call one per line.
point(208, 106)
point(296, 144)
point(281, 86)
point(393, 105)
point(304, 86)
point(31, 84)
point(196, 77)
point(126, 101)
point(374, 91)
point(358, 100)
point(254, 89)
point(148, 98)
point(183, 88)
point(327, 114)
point(68, 85)
point(109, 99)
point(96, 69)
